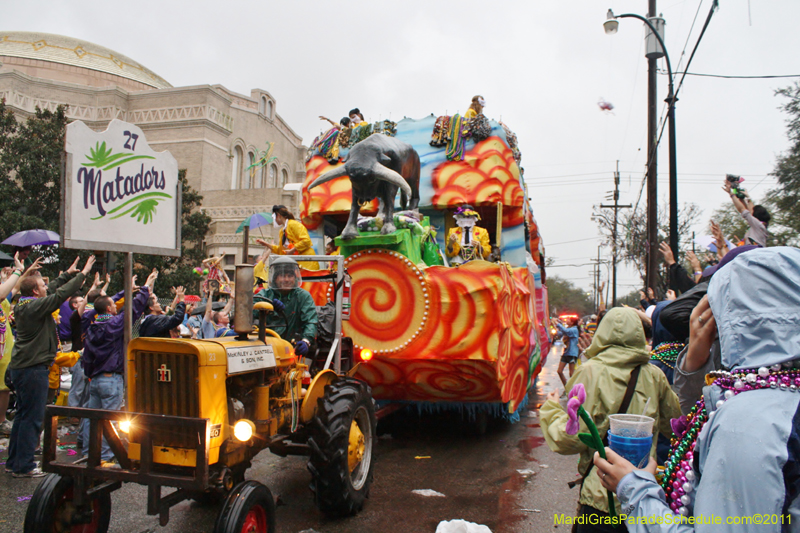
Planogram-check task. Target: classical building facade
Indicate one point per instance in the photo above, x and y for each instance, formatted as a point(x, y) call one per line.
point(213, 132)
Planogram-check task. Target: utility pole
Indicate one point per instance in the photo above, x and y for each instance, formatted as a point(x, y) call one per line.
point(599, 290)
point(616, 207)
point(596, 279)
point(652, 167)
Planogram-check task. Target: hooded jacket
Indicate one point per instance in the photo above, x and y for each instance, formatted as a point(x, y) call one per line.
point(618, 347)
point(747, 456)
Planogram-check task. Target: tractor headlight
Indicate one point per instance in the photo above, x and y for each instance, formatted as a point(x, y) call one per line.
point(366, 354)
point(125, 426)
point(243, 430)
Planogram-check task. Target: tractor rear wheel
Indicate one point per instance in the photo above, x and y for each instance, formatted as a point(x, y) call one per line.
point(52, 509)
point(342, 441)
point(249, 508)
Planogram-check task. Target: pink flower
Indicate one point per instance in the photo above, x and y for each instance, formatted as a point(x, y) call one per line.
point(578, 391)
point(572, 412)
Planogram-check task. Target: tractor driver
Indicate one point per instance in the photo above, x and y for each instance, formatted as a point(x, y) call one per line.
point(293, 301)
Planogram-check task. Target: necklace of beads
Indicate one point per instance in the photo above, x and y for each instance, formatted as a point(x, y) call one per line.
point(105, 317)
point(679, 474)
point(667, 353)
point(25, 300)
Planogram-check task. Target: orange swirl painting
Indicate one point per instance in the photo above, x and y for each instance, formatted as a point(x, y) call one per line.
point(442, 334)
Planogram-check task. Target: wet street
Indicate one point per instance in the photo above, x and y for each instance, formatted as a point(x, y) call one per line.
point(506, 479)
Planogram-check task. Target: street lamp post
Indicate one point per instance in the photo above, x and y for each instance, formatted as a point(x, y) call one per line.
point(611, 25)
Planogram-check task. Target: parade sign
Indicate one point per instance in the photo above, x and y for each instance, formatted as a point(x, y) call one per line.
point(118, 194)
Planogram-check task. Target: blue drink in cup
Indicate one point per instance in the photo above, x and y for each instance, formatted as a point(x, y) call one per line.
point(633, 449)
point(631, 436)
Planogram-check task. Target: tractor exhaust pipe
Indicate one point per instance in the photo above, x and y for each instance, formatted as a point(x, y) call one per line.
point(243, 304)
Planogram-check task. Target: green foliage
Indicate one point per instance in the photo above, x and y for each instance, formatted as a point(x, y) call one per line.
point(632, 234)
point(30, 177)
point(783, 201)
point(565, 297)
point(631, 299)
point(30, 197)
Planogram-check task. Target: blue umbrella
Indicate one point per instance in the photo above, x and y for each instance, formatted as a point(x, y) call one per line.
point(33, 237)
point(255, 221)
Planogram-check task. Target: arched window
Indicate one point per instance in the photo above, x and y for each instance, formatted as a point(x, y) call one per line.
point(236, 169)
point(249, 174)
point(284, 178)
point(262, 108)
point(273, 174)
point(270, 108)
point(259, 178)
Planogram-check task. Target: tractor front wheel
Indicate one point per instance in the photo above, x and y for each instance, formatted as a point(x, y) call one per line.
point(341, 442)
point(52, 509)
point(249, 508)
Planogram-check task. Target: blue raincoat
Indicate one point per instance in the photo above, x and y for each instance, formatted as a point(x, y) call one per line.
point(747, 456)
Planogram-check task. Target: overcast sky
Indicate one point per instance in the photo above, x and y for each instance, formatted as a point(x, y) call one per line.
point(541, 65)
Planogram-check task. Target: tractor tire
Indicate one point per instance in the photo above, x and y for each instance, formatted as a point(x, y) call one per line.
point(51, 509)
point(249, 508)
point(342, 440)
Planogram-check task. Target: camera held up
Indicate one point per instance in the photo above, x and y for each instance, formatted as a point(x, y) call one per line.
point(736, 185)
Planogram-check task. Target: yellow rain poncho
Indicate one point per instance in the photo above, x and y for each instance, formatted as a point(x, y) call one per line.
point(617, 348)
point(297, 235)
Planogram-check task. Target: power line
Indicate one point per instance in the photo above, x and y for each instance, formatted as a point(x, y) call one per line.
point(570, 242)
point(559, 266)
point(732, 77)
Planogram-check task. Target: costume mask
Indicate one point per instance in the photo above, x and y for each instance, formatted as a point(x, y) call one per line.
point(465, 222)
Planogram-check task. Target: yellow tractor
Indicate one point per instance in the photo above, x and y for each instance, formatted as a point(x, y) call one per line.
point(198, 411)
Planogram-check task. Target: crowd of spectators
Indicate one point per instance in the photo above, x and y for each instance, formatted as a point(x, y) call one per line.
point(71, 327)
point(725, 329)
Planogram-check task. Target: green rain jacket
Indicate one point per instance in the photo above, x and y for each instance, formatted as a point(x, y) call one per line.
point(301, 313)
point(618, 347)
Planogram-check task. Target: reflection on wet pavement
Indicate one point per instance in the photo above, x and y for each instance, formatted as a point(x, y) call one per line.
point(548, 378)
point(528, 444)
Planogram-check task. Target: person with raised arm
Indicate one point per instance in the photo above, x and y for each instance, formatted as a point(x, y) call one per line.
point(34, 352)
point(104, 355)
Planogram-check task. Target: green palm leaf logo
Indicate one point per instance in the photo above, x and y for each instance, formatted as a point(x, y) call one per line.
point(142, 207)
point(102, 157)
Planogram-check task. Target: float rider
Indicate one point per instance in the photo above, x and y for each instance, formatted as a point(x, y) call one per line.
point(293, 301)
point(467, 241)
point(293, 238)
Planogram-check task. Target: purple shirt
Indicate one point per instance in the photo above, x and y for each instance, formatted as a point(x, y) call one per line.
point(64, 328)
point(103, 349)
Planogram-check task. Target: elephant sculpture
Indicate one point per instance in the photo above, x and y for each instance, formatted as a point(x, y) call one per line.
point(378, 166)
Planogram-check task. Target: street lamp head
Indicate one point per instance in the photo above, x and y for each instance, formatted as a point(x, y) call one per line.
point(611, 24)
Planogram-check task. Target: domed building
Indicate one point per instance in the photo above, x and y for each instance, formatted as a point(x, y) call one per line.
point(213, 132)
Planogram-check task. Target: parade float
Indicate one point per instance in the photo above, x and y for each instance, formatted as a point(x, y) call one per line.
point(472, 336)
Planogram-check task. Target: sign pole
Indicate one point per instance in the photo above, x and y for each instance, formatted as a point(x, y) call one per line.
point(128, 313)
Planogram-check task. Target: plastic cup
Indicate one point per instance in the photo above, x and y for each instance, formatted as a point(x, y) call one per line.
point(634, 449)
point(631, 436)
point(631, 426)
